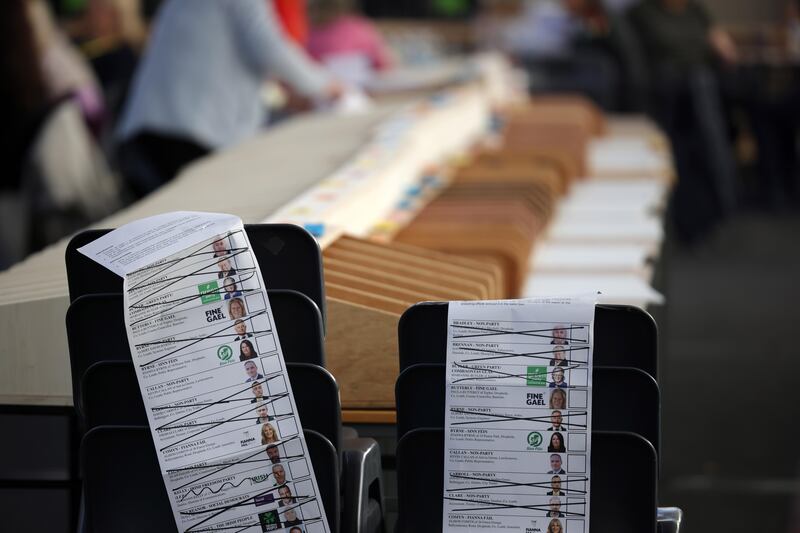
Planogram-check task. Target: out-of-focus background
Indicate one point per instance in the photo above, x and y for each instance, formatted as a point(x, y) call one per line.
point(105, 102)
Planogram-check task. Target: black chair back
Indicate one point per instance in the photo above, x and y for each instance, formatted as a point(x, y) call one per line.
point(612, 394)
point(623, 482)
point(288, 255)
point(96, 331)
point(124, 490)
point(623, 336)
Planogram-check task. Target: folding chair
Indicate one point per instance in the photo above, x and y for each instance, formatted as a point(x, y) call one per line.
point(289, 258)
point(623, 482)
point(124, 491)
point(96, 331)
point(613, 410)
point(623, 336)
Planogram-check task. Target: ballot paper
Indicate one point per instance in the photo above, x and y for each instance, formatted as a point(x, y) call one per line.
point(212, 375)
point(518, 415)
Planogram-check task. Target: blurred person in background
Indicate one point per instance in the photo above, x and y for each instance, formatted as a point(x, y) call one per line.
point(684, 51)
point(198, 86)
point(39, 67)
point(576, 46)
point(23, 90)
point(772, 100)
point(55, 178)
point(349, 45)
point(66, 71)
point(111, 34)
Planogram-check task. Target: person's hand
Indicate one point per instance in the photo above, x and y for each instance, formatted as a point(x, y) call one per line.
point(723, 45)
point(334, 91)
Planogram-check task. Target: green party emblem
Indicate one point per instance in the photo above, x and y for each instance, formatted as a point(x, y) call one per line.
point(209, 292)
point(537, 376)
point(224, 352)
point(534, 439)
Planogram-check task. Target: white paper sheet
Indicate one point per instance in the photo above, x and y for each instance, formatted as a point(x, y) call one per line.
point(212, 375)
point(589, 258)
point(628, 289)
point(518, 415)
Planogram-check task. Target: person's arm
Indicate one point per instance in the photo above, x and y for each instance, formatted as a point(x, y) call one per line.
point(722, 44)
point(268, 51)
point(719, 39)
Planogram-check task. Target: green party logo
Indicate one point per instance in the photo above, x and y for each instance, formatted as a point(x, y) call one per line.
point(534, 439)
point(209, 292)
point(224, 352)
point(536, 376)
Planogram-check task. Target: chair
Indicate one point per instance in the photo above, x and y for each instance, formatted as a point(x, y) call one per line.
point(623, 482)
point(317, 399)
point(96, 331)
point(288, 256)
point(613, 409)
point(124, 489)
point(623, 336)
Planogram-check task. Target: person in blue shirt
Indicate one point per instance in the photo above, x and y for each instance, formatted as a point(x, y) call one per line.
point(198, 86)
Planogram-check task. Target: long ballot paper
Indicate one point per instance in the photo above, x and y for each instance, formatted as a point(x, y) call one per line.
point(212, 375)
point(518, 415)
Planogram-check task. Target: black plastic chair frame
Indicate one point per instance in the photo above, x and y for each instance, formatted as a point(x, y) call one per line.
point(624, 336)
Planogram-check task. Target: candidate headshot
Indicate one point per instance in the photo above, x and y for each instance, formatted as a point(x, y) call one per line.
point(290, 519)
point(268, 434)
point(258, 391)
point(225, 269)
point(555, 485)
point(555, 526)
point(556, 418)
point(558, 399)
point(557, 375)
point(556, 443)
point(559, 357)
point(263, 414)
point(559, 335)
point(285, 494)
point(240, 327)
point(274, 454)
point(279, 475)
point(296, 529)
point(231, 289)
point(236, 308)
point(555, 465)
point(555, 508)
point(247, 351)
point(220, 248)
point(251, 370)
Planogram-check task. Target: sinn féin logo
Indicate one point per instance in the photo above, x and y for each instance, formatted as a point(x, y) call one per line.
point(224, 352)
point(534, 439)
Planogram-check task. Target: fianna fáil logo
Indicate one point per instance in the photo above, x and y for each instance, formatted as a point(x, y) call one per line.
point(535, 440)
point(224, 352)
point(536, 376)
point(209, 292)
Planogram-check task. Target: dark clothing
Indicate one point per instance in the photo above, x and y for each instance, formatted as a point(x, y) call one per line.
point(149, 160)
point(673, 39)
